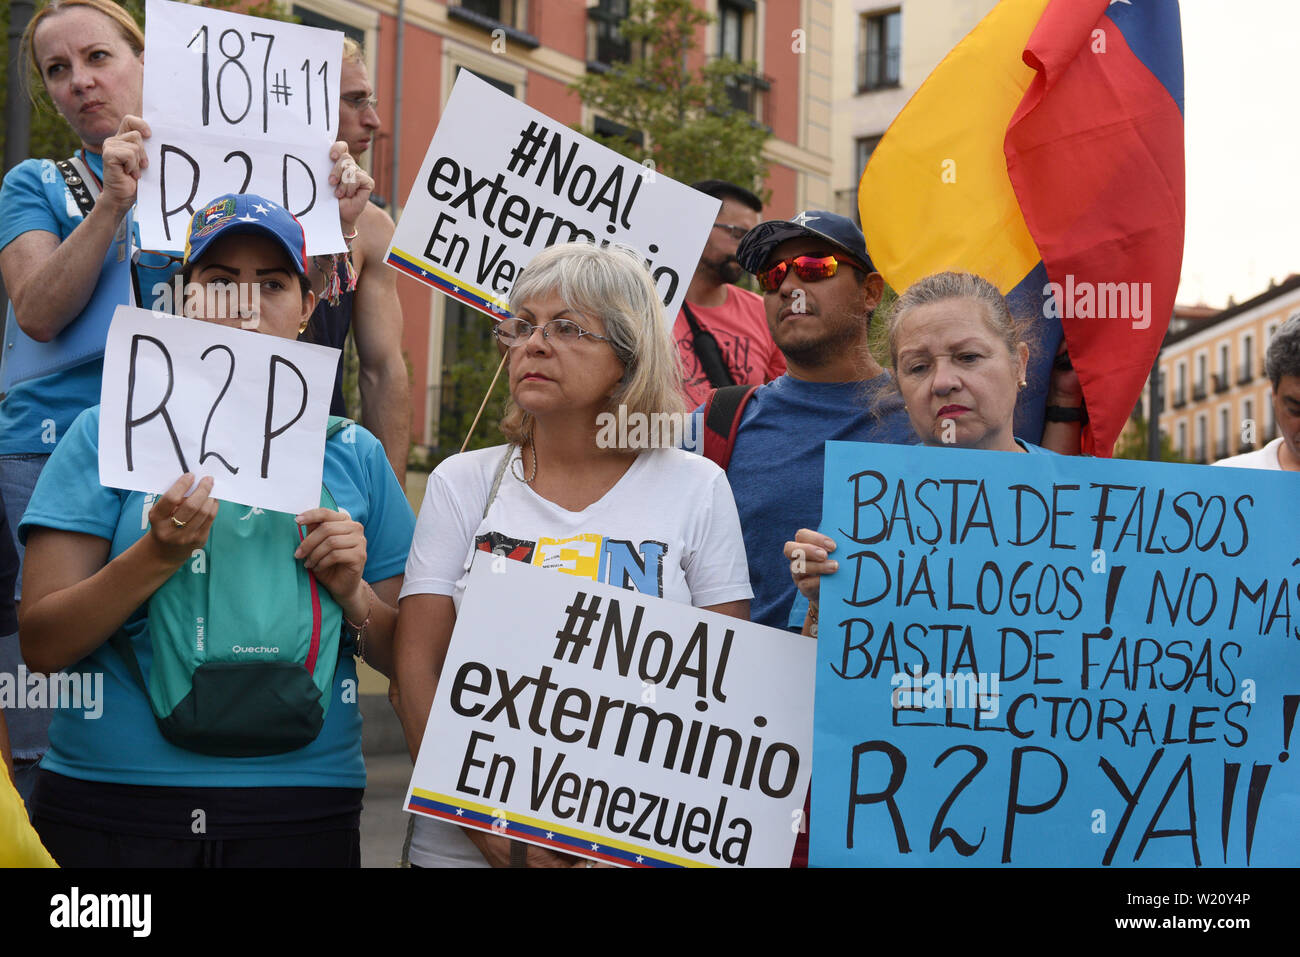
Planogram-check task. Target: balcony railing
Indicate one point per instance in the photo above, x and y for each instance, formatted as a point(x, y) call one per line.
point(1198, 391)
point(1222, 382)
point(1246, 374)
point(1199, 457)
point(1180, 398)
point(1221, 449)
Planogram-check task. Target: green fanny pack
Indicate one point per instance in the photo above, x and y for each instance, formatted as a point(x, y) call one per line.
point(245, 639)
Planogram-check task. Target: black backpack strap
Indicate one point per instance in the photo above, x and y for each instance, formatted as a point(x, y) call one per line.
point(83, 188)
point(708, 352)
point(722, 414)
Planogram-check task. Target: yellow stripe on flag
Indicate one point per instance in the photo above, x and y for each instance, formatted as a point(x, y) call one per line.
point(935, 194)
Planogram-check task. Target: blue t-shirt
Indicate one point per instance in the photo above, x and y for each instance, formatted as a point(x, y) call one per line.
point(35, 414)
point(123, 745)
point(776, 471)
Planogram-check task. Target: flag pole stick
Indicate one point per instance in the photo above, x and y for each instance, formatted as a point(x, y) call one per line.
point(482, 405)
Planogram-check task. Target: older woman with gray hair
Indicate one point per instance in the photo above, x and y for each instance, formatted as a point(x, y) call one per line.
point(587, 340)
point(1282, 366)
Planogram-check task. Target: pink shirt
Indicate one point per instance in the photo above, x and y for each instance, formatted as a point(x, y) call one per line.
point(740, 326)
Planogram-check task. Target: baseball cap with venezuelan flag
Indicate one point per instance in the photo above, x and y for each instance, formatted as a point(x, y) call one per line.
point(237, 213)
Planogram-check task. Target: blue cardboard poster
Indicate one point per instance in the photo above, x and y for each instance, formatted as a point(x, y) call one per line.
point(1037, 660)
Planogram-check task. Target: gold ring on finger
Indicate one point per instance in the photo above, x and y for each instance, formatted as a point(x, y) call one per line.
point(177, 522)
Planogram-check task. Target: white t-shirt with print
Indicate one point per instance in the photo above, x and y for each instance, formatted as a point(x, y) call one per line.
point(668, 528)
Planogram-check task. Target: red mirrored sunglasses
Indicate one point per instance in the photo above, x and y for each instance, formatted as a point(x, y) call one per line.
point(807, 268)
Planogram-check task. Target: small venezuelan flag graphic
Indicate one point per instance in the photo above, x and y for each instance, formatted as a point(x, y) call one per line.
point(425, 272)
point(546, 833)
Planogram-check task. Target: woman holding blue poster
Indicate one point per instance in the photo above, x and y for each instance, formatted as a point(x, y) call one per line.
point(959, 362)
point(587, 345)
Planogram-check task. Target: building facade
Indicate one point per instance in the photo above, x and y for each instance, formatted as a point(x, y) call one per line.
point(883, 52)
point(533, 49)
point(1214, 396)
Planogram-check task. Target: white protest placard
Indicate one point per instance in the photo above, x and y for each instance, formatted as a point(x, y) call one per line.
point(183, 395)
point(602, 722)
point(501, 182)
point(237, 104)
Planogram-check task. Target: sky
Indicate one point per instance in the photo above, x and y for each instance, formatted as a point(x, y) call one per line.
point(1241, 60)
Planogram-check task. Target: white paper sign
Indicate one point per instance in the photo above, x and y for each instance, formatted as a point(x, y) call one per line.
point(601, 722)
point(183, 395)
point(501, 182)
point(237, 104)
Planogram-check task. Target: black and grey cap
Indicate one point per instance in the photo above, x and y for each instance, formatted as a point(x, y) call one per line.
point(837, 230)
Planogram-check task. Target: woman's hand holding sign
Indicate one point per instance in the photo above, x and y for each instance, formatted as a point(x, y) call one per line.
point(809, 556)
point(334, 550)
point(180, 520)
point(76, 597)
point(125, 161)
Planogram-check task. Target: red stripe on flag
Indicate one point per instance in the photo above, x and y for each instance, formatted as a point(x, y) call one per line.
point(1095, 155)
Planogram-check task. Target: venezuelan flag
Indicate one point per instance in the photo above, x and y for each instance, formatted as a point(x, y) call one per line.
point(1045, 153)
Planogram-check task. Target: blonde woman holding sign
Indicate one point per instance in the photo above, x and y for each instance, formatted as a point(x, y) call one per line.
point(587, 341)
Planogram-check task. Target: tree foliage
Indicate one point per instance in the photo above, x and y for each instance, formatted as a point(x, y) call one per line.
point(468, 376)
point(1132, 444)
point(691, 130)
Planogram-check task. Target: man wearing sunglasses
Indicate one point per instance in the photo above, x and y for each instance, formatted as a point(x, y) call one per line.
point(721, 330)
point(372, 311)
point(819, 292)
